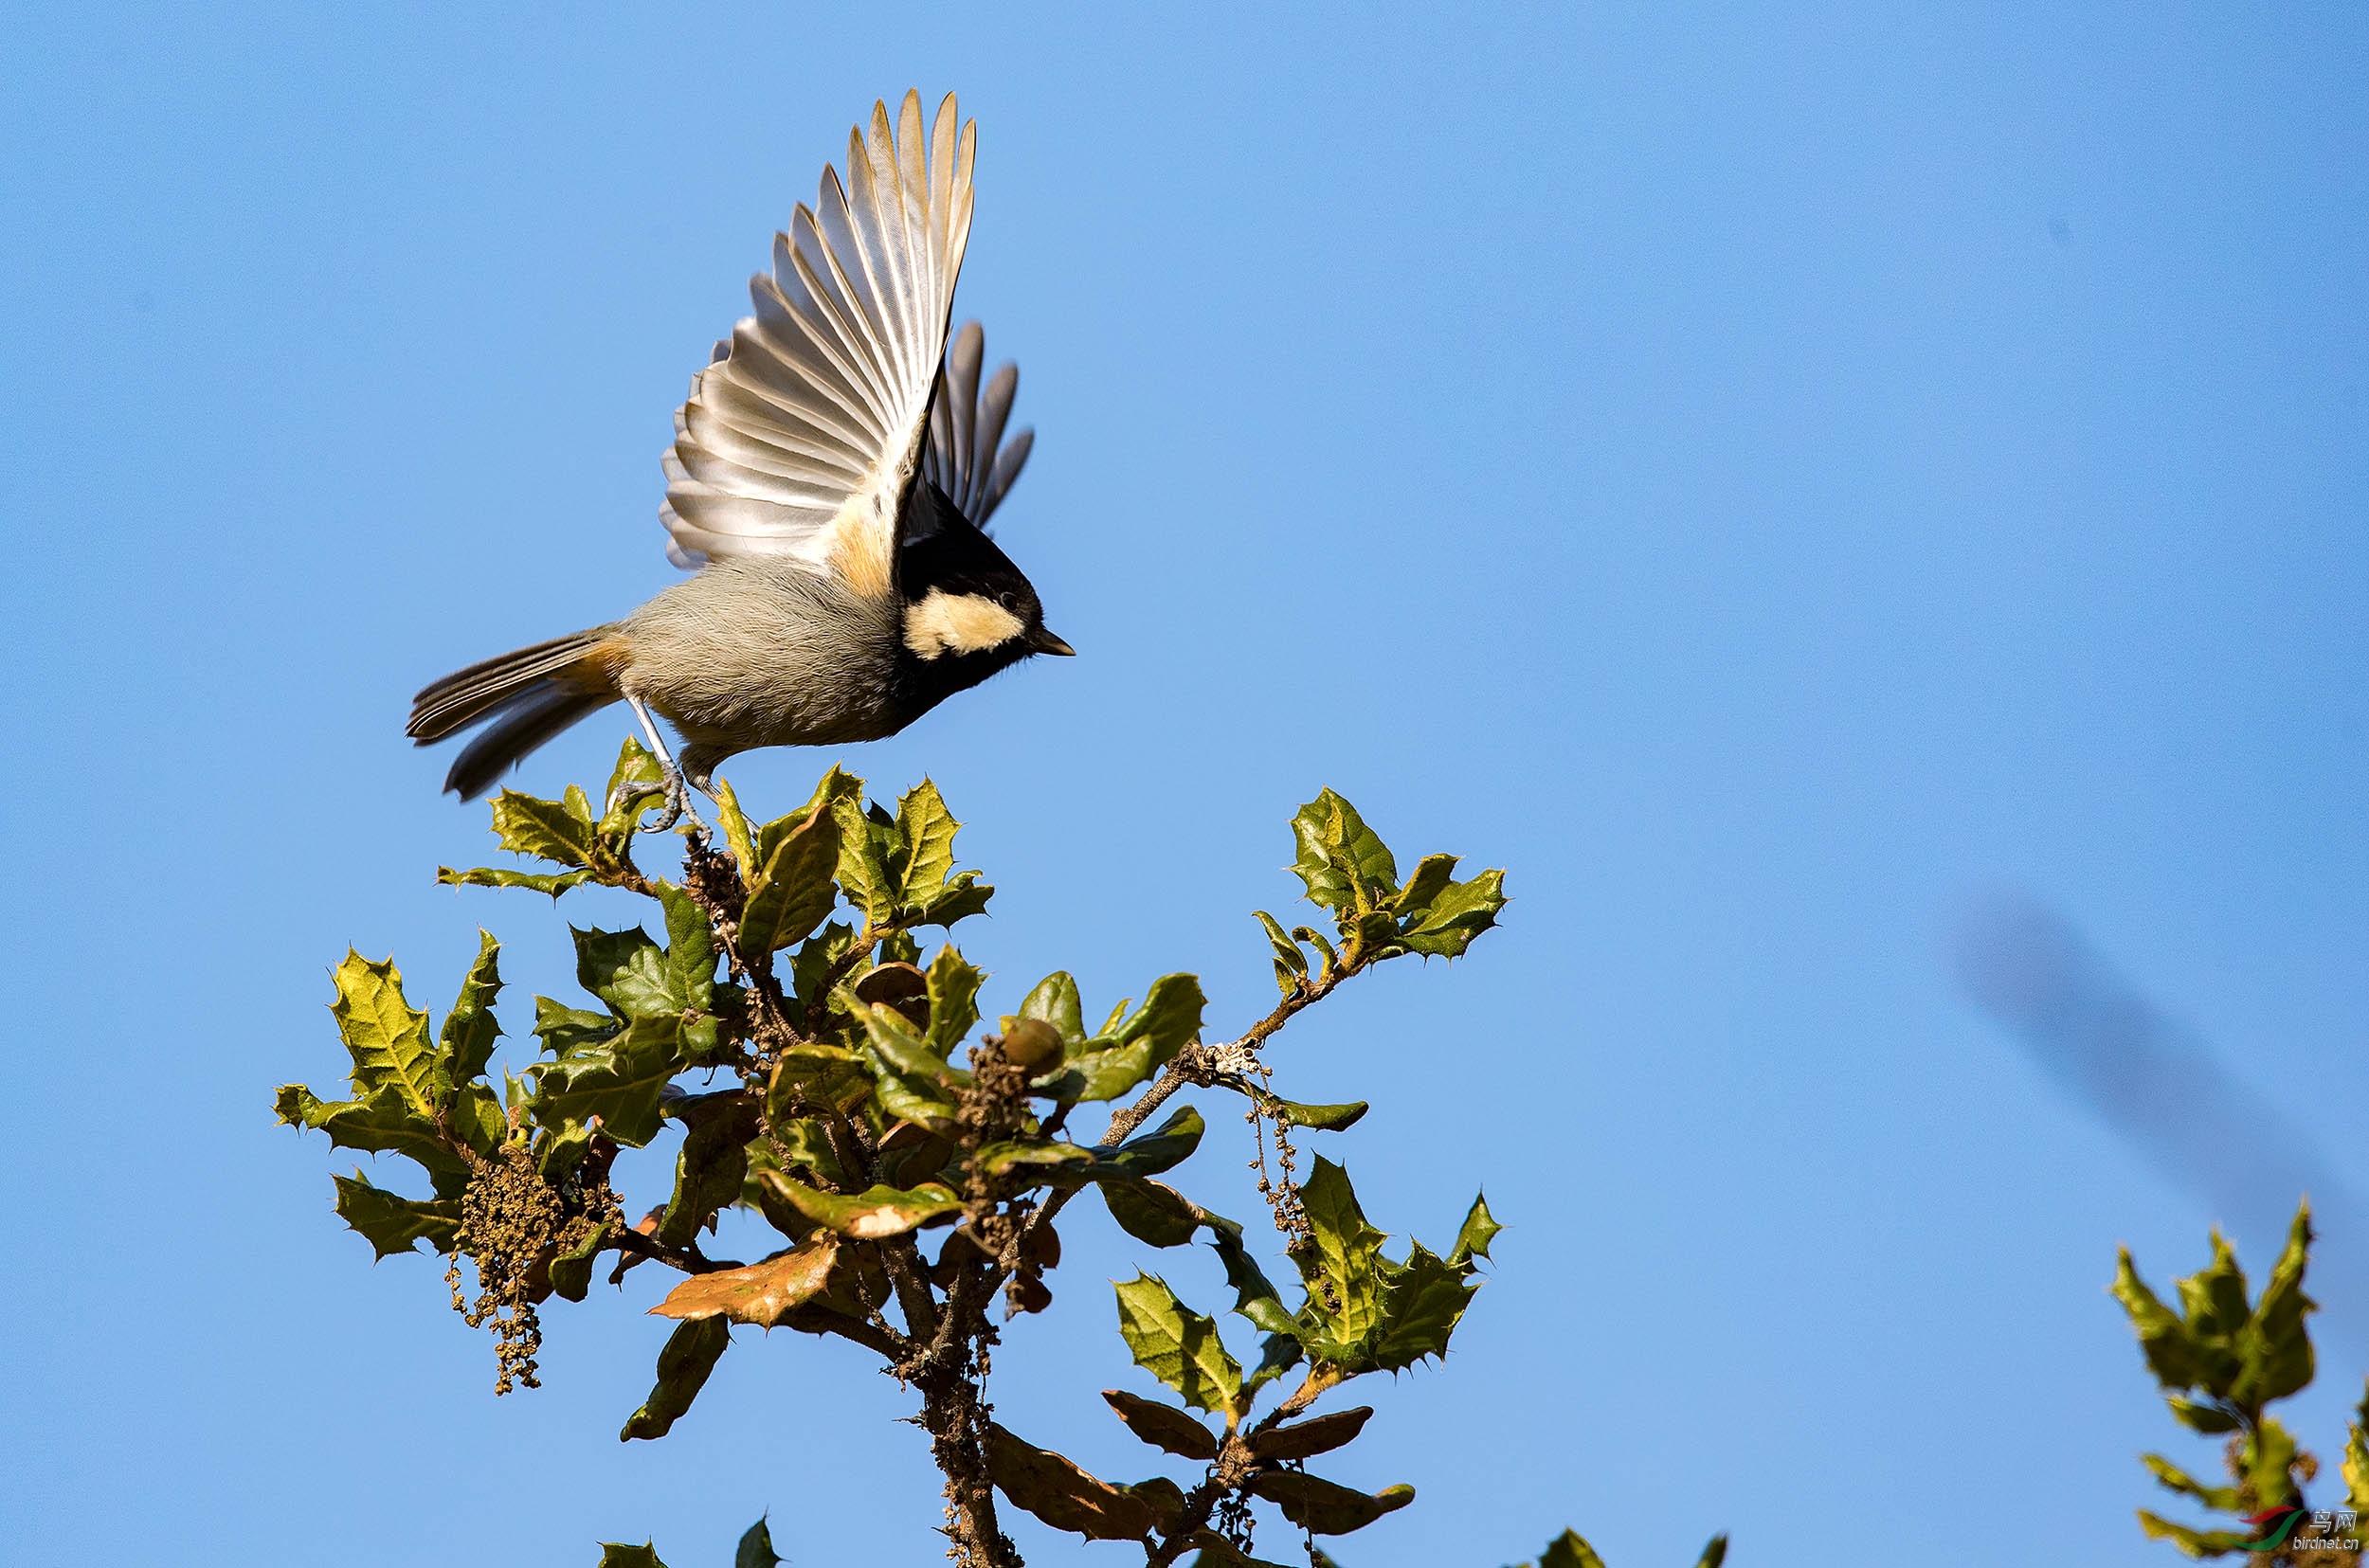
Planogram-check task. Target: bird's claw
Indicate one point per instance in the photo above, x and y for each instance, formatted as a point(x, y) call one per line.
point(677, 802)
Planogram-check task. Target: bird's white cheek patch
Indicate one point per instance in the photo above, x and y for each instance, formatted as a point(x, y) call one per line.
point(957, 624)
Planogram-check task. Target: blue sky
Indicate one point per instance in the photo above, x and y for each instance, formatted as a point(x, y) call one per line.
point(1763, 477)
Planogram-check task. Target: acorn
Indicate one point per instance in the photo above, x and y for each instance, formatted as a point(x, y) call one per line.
point(1031, 1043)
point(902, 986)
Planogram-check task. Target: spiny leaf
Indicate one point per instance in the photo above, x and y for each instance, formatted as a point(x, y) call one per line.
point(1568, 1550)
point(1479, 1229)
point(953, 1000)
point(470, 1030)
point(629, 972)
point(683, 1365)
point(1179, 1346)
point(1423, 1302)
point(756, 1548)
point(792, 893)
point(391, 1223)
point(2275, 1344)
point(1344, 1268)
point(622, 1080)
point(927, 829)
point(387, 1122)
point(1345, 864)
point(385, 1035)
point(761, 1293)
point(1162, 1426)
point(618, 1555)
point(1169, 1145)
point(1322, 1507)
point(554, 883)
point(548, 830)
point(708, 1170)
point(1715, 1552)
point(2162, 1338)
point(1460, 912)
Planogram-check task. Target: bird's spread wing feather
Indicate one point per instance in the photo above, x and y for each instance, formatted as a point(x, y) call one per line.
point(798, 439)
point(968, 458)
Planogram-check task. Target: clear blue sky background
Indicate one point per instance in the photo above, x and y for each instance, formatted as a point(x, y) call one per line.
point(1760, 474)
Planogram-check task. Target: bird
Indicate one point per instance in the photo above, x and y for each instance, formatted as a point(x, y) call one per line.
point(829, 483)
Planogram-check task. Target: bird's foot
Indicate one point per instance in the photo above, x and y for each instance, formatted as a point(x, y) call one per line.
point(630, 795)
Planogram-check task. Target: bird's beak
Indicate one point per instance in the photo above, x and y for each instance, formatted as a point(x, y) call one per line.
point(1042, 641)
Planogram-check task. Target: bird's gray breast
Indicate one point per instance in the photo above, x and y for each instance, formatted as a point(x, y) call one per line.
point(767, 652)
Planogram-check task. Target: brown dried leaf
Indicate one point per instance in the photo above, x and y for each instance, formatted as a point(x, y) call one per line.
point(1067, 1498)
point(1305, 1438)
point(762, 1294)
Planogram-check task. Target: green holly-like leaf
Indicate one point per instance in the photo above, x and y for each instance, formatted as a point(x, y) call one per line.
point(1447, 923)
point(616, 1554)
point(1480, 1228)
point(1162, 1426)
point(2196, 1544)
point(385, 1034)
point(1017, 1153)
point(630, 973)
point(1291, 964)
point(1055, 1001)
point(926, 833)
point(792, 889)
point(391, 1223)
point(1569, 1550)
point(683, 1365)
point(387, 1122)
point(2172, 1478)
point(1151, 1211)
point(622, 1080)
point(953, 1000)
point(710, 1169)
point(1179, 1346)
point(909, 1079)
point(1315, 1118)
point(868, 850)
point(1255, 1297)
point(1344, 1269)
point(572, 1271)
point(2274, 1344)
point(1424, 1300)
point(1169, 1145)
point(871, 1215)
point(1714, 1553)
point(2162, 1338)
point(635, 785)
point(560, 831)
point(1131, 1048)
point(1322, 1507)
point(554, 883)
point(756, 1548)
point(1067, 1498)
point(1346, 867)
point(466, 1043)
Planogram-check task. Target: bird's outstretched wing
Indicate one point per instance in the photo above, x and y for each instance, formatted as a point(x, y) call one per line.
point(799, 438)
point(968, 457)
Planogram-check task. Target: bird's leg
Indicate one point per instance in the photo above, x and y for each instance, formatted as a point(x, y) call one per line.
point(678, 798)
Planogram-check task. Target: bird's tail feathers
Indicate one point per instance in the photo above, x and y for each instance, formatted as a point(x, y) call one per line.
point(585, 661)
point(525, 722)
point(530, 695)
